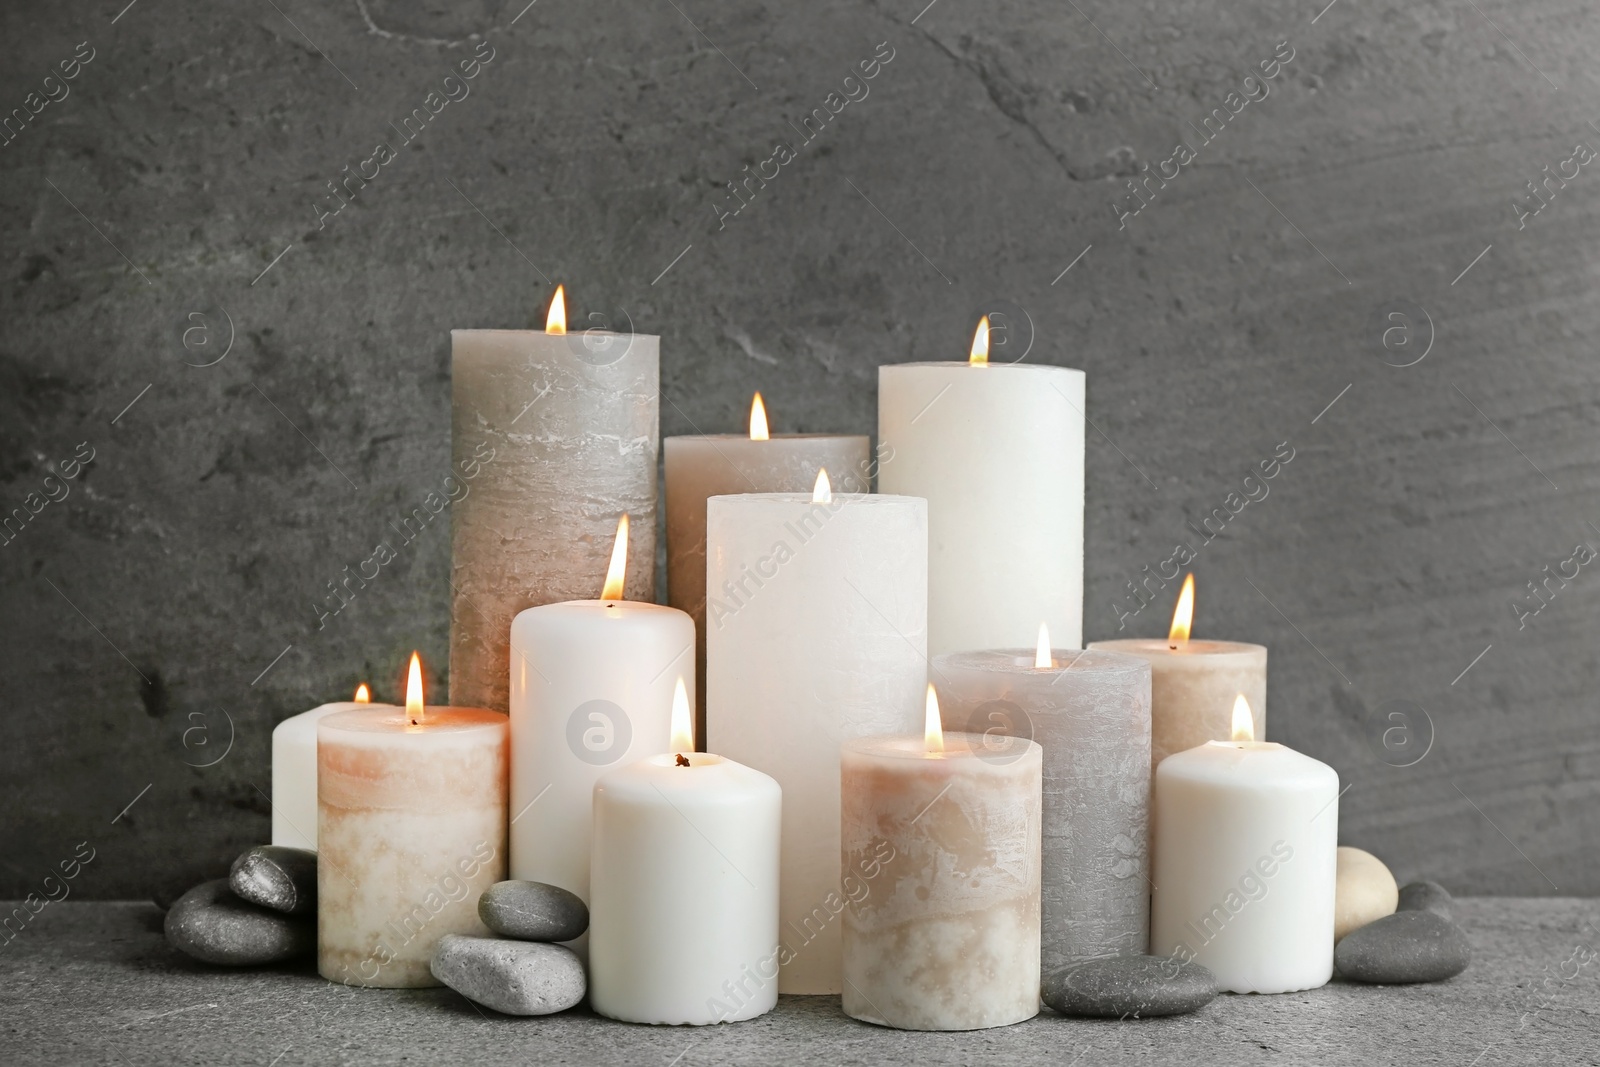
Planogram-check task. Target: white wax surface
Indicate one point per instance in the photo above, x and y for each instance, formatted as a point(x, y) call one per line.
point(997, 451)
point(684, 910)
point(294, 774)
point(412, 828)
point(696, 468)
point(591, 690)
point(816, 625)
point(1245, 838)
point(942, 854)
point(572, 424)
point(1193, 689)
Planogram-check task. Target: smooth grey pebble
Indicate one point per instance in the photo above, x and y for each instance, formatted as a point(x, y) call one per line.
point(211, 924)
point(533, 911)
point(1408, 946)
point(1428, 896)
point(1130, 987)
point(277, 877)
point(514, 977)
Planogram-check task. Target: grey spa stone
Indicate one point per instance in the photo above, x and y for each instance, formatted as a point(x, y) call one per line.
point(277, 877)
point(1408, 946)
point(1428, 896)
point(1118, 987)
point(514, 977)
point(533, 911)
point(211, 924)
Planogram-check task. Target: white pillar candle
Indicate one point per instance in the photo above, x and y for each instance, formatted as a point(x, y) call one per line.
point(816, 629)
point(997, 451)
point(700, 467)
point(1245, 842)
point(412, 828)
point(294, 772)
point(684, 909)
point(553, 435)
point(1193, 683)
point(591, 689)
point(1090, 712)
point(946, 935)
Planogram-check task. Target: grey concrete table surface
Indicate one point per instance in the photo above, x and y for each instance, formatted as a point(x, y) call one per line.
point(96, 983)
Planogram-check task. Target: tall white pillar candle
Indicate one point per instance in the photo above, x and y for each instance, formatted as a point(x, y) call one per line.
point(997, 451)
point(700, 467)
point(1245, 842)
point(294, 772)
point(591, 689)
point(946, 936)
point(816, 627)
point(412, 828)
point(553, 435)
point(684, 910)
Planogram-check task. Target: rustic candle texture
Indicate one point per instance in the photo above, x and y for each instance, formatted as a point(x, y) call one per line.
point(553, 437)
point(1091, 714)
point(1193, 687)
point(411, 829)
point(946, 935)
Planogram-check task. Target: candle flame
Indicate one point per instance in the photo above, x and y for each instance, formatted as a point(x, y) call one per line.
point(363, 694)
point(980, 344)
point(556, 321)
point(414, 706)
point(822, 492)
point(1041, 655)
point(1182, 615)
point(1244, 723)
point(682, 722)
point(758, 419)
point(617, 572)
point(932, 732)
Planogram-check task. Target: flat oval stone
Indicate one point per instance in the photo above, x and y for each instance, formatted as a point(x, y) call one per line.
point(533, 911)
point(1408, 946)
point(1364, 890)
point(1119, 987)
point(277, 877)
point(1428, 896)
point(514, 977)
point(211, 924)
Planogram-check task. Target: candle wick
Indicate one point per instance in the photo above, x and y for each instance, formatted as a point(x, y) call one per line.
point(683, 761)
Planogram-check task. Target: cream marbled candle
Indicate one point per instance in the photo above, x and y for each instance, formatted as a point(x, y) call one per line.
point(561, 430)
point(411, 829)
point(946, 936)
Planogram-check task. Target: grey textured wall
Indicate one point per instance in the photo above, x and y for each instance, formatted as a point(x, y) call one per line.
point(174, 188)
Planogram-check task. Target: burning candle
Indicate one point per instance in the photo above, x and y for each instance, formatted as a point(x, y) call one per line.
point(701, 467)
point(1245, 841)
point(816, 626)
point(591, 687)
point(1193, 683)
point(411, 806)
point(294, 771)
point(684, 909)
point(553, 436)
point(1090, 712)
point(946, 936)
point(997, 451)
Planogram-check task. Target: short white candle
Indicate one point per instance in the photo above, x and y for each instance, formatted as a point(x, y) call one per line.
point(1193, 683)
point(294, 771)
point(411, 806)
point(1246, 835)
point(684, 907)
point(997, 451)
point(946, 935)
point(591, 689)
point(816, 630)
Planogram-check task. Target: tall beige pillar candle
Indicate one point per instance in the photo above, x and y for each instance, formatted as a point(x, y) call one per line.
point(1193, 684)
point(701, 467)
point(411, 828)
point(553, 436)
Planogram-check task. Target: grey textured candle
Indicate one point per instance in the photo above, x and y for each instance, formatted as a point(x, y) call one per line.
point(553, 436)
point(1090, 711)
